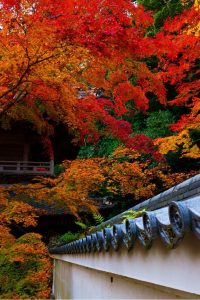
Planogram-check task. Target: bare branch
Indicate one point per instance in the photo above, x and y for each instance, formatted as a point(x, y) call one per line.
point(55, 17)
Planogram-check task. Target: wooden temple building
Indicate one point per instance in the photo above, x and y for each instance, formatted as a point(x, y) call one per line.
point(21, 153)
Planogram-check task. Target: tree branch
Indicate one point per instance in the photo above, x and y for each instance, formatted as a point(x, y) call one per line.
point(22, 94)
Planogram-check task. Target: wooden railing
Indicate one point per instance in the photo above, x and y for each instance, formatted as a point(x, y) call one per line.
point(27, 167)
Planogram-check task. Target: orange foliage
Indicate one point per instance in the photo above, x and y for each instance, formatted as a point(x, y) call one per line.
point(6, 237)
point(18, 212)
point(70, 189)
point(129, 174)
point(52, 50)
point(125, 173)
point(180, 141)
point(29, 254)
point(22, 253)
point(3, 197)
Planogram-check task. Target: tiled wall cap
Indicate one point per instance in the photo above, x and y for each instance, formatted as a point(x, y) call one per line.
point(130, 235)
point(170, 224)
point(118, 232)
point(107, 238)
point(100, 240)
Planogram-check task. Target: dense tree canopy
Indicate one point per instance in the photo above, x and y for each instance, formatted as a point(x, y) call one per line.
point(53, 50)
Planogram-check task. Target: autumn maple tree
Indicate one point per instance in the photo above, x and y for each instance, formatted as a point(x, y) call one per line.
point(94, 67)
point(54, 49)
point(51, 49)
point(25, 267)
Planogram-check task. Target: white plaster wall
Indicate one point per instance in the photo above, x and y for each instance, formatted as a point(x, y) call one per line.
point(158, 273)
point(76, 282)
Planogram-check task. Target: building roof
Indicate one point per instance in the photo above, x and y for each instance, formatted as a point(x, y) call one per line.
point(168, 216)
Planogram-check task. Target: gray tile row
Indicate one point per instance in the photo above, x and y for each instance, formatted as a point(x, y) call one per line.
point(169, 223)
